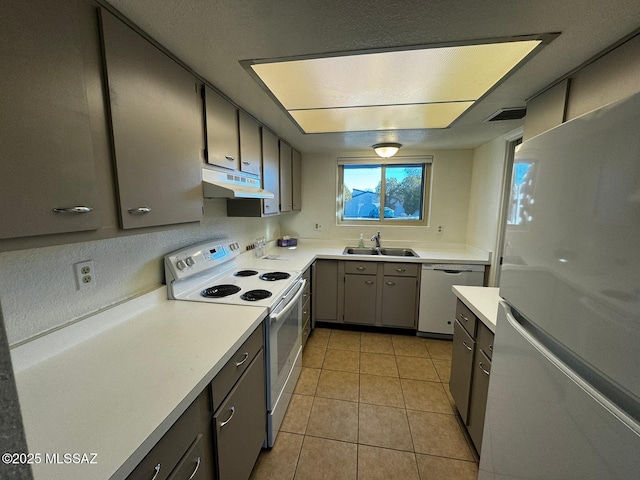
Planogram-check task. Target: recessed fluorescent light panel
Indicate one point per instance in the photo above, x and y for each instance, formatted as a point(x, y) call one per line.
point(416, 88)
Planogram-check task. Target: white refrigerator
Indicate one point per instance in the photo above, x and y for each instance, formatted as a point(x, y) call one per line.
point(564, 393)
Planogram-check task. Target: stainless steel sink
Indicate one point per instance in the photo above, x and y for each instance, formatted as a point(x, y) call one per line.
point(388, 252)
point(398, 252)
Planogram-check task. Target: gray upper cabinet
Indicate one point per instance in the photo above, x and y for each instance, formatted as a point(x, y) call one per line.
point(296, 178)
point(157, 130)
point(270, 172)
point(45, 136)
point(286, 194)
point(221, 118)
point(250, 145)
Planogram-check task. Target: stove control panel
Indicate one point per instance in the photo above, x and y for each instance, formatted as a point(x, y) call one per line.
point(198, 258)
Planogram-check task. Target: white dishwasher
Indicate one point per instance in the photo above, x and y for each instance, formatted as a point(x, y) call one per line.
point(437, 301)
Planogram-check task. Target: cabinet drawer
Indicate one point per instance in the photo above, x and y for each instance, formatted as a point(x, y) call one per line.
point(466, 318)
point(240, 424)
point(485, 339)
point(191, 466)
point(361, 268)
point(166, 454)
point(230, 373)
point(306, 311)
point(401, 269)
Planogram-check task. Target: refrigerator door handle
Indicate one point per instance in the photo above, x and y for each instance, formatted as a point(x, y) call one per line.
point(616, 411)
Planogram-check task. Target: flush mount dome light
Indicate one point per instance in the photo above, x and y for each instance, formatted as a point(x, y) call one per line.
point(386, 150)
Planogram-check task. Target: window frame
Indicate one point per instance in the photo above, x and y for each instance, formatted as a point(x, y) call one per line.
point(425, 161)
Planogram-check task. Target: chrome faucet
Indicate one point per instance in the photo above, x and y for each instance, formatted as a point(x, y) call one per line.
point(376, 238)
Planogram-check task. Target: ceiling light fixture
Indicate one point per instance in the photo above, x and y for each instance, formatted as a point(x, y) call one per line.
point(386, 150)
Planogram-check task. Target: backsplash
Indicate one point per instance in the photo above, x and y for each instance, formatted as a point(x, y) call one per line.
point(38, 290)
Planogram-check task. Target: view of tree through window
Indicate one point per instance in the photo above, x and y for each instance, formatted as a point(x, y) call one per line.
point(521, 197)
point(383, 192)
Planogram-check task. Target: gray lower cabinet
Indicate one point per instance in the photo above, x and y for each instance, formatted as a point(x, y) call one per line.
point(306, 307)
point(325, 291)
point(50, 57)
point(360, 293)
point(156, 124)
point(383, 294)
point(471, 370)
point(185, 451)
point(240, 424)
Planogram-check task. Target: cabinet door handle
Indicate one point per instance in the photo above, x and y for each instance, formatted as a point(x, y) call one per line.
point(246, 356)
point(157, 469)
point(246, 163)
point(390, 283)
point(491, 348)
point(233, 410)
point(467, 346)
point(361, 268)
point(482, 368)
point(73, 209)
point(463, 317)
point(369, 282)
point(139, 210)
point(230, 158)
point(196, 470)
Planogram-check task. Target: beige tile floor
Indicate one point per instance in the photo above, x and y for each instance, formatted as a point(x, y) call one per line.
point(371, 406)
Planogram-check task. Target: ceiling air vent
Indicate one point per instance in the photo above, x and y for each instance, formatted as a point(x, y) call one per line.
point(515, 113)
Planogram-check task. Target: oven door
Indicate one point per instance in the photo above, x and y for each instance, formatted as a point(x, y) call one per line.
point(284, 346)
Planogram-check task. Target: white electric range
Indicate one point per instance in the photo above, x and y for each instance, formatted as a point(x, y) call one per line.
point(208, 272)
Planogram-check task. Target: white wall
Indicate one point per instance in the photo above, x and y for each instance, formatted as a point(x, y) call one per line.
point(451, 182)
point(37, 286)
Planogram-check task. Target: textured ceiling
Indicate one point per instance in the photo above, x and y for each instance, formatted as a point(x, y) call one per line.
point(212, 37)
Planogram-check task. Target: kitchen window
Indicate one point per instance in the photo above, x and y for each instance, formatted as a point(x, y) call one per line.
point(394, 191)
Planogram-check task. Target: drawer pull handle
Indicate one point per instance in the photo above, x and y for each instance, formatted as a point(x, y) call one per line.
point(246, 163)
point(491, 348)
point(230, 158)
point(233, 410)
point(463, 317)
point(246, 356)
point(482, 368)
point(304, 312)
point(139, 210)
point(196, 470)
point(369, 282)
point(401, 269)
point(157, 469)
point(390, 283)
point(361, 268)
point(467, 346)
point(73, 210)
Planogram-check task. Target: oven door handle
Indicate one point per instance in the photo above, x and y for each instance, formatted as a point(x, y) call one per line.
point(276, 318)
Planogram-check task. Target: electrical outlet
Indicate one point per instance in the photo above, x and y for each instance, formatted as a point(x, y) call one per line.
point(317, 226)
point(85, 274)
point(440, 228)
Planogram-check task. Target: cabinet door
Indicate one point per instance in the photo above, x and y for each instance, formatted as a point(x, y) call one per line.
point(221, 118)
point(270, 172)
point(461, 369)
point(399, 297)
point(296, 179)
point(45, 136)
point(286, 194)
point(478, 399)
point(360, 299)
point(250, 146)
point(325, 291)
point(156, 126)
point(240, 424)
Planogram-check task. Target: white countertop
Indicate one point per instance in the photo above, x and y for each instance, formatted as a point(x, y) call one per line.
point(482, 301)
point(118, 392)
point(300, 257)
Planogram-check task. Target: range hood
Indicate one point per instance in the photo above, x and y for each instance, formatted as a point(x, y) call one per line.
point(220, 184)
